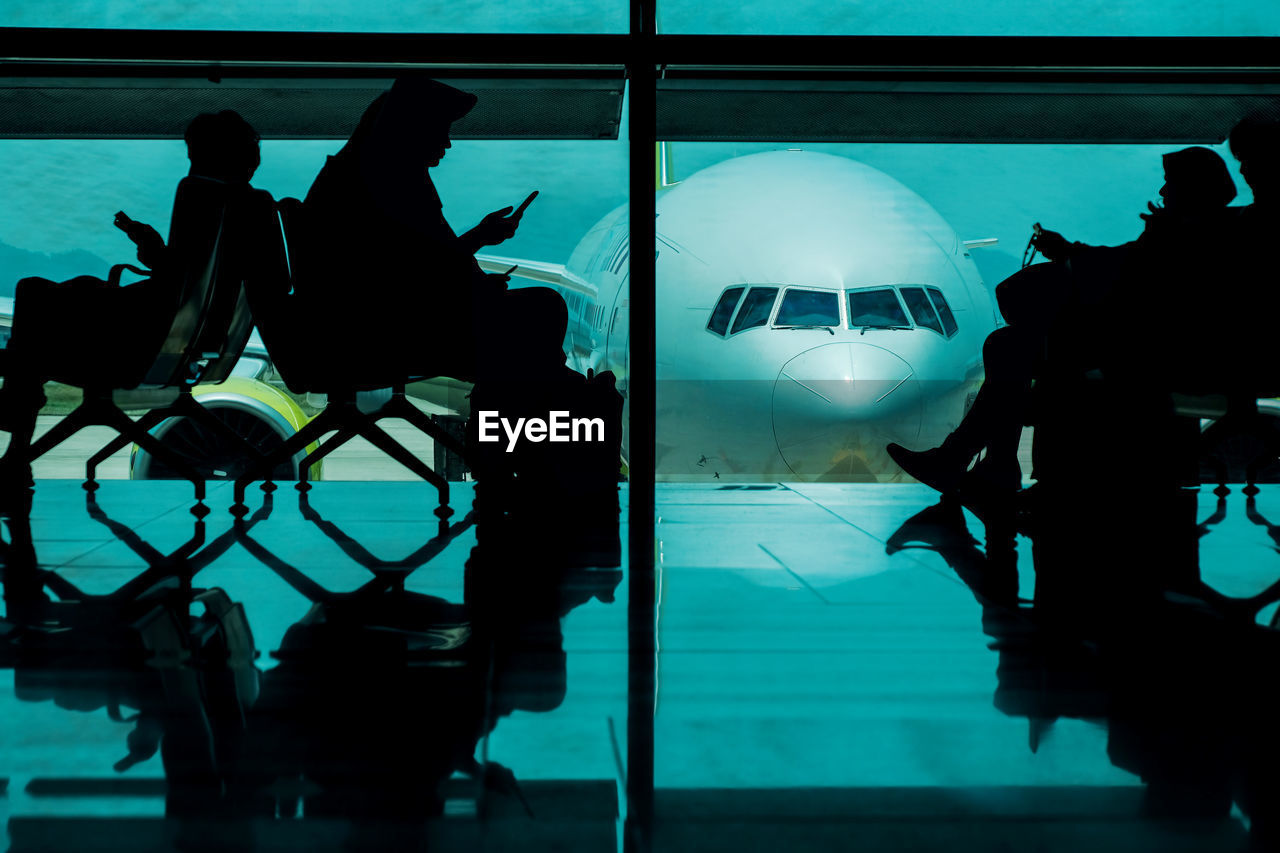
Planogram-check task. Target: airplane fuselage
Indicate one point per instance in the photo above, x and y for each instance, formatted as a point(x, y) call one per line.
point(809, 382)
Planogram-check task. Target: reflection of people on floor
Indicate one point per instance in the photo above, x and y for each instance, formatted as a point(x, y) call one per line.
point(1097, 304)
point(1182, 684)
point(381, 697)
point(175, 664)
point(58, 326)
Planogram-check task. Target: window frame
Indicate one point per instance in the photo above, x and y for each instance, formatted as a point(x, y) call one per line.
point(893, 288)
point(768, 321)
point(935, 295)
point(728, 324)
point(1209, 65)
point(777, 308)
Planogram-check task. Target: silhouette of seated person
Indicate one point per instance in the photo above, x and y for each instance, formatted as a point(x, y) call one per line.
point(1085, 303)
point(372, 244)
point(1255, 143)
point(57, 325)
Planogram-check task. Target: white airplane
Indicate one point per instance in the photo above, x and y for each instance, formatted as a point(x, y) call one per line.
point(810, 310)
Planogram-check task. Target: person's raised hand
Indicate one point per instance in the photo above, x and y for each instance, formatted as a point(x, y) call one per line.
point(149, 242)
point(1051, 244)
point(501, 225)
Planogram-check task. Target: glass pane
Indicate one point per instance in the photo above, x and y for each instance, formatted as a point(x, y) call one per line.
point(782, 504)
point(957, 18)
point(949, 326)
point(876, 308)
point(719, 321)
point(61, 194)
point(808, 308)
point(435, 16)
point(755, 308)
point(921, 309)
point(61, 197)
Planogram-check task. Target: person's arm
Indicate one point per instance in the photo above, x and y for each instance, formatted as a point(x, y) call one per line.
point(151, 248)
point(497, 227)
point(1053, 245)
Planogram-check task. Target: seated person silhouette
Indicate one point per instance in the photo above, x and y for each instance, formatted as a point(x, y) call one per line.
point(1255, 143)
point(375, 245)
point(1095, 283)
point(55, 324)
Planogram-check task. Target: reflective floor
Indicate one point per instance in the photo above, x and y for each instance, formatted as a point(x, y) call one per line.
point(840, 667)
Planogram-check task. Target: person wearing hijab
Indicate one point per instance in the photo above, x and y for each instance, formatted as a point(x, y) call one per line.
point(381, 255)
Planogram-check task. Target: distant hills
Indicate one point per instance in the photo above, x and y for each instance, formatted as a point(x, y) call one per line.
point(18, 263)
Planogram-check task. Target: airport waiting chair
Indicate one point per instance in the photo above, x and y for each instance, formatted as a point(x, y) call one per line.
point(220, 341)
point(310, 363)
point(1235, 416)
point(193, 348)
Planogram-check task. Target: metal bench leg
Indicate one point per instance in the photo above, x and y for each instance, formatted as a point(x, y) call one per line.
point(125, 425)
point(326, 447)
point(146, 423)
point(327, 421)
point(388, 445)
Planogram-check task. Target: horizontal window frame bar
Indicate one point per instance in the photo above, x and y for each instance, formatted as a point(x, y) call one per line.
point(733, 55)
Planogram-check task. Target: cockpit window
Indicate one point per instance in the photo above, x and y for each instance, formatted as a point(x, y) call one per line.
point(808, 308)
point(756, 308)
point(719, 322)
point(921, 308)
point(949, 326)
point(876, 307)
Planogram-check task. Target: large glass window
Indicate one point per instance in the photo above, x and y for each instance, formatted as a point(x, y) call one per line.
point(351, 16)
point(60, 195)
point(960, 18)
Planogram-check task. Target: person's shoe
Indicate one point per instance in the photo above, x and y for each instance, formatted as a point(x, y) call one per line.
point(936, 468)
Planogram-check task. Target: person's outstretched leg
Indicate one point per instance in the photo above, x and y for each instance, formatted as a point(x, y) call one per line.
point(1010, 355)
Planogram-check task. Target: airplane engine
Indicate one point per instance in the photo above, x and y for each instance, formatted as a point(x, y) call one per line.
point(258, 412)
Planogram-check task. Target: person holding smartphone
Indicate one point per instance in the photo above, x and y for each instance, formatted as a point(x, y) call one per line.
point(1103, 305)
point(58, 323)
point(376, 249)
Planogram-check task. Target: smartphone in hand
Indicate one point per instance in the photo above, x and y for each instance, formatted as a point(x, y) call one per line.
point(524, 204)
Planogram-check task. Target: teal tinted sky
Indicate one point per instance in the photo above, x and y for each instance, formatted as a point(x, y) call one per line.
point(863, 17)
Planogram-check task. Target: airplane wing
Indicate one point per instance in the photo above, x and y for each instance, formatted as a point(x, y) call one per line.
point(540, 271)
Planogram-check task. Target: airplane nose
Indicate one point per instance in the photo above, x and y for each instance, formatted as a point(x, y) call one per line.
point(836, 406)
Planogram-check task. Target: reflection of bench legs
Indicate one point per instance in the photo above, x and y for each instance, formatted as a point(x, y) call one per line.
point(99, 410)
